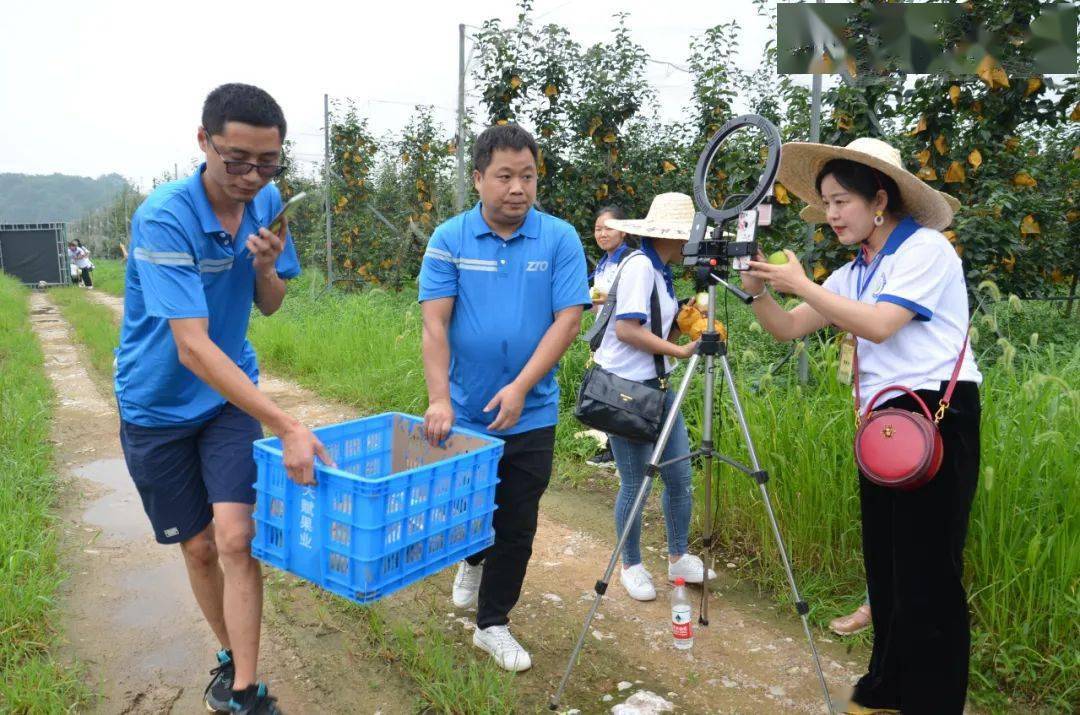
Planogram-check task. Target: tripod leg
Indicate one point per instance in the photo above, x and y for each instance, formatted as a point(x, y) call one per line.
point(761, 477)
point(709, 558)
point(650, 473)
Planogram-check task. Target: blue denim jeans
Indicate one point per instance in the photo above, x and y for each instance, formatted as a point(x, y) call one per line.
point(631, 458)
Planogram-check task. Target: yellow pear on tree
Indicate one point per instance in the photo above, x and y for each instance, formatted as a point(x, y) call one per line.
point(975, 159)
point(1022, 178)
point(1029, 226)
point(955, 174)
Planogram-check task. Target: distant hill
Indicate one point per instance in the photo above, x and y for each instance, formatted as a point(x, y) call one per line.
point(31, 198)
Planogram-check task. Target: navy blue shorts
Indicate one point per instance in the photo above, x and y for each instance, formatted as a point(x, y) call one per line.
point(181, 471)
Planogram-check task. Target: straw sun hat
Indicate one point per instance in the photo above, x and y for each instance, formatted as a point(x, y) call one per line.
point(670, 215)
point(801, 162)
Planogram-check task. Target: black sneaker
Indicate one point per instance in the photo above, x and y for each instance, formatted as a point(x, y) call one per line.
point(256, 701)
point(219, 691)
point(603, 458)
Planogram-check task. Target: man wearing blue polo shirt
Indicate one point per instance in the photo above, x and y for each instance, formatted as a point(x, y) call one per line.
point(502, 289)
point(186, 375)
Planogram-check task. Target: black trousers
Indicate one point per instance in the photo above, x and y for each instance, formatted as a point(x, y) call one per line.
point(524, 473)
point(86, 279)
point(913, 546)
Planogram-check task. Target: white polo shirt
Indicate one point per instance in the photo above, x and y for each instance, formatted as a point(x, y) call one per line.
point(640, 273)
point(607, 267)
point(917, 269)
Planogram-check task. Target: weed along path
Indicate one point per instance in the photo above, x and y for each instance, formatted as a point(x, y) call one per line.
point(752, 658)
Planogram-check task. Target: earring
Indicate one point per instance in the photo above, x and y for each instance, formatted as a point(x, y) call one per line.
point(879, 218)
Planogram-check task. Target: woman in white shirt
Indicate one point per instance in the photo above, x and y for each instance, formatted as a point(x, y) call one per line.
point(73, 257)
point(82, 262)
point(904, 299)
point(627, 350)
point(615, 247)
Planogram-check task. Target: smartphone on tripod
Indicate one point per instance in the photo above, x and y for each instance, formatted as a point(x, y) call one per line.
point(744, 233)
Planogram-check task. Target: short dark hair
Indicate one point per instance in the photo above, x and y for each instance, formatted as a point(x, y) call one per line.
point(863, 180)
point(502, 136)
point(245, 103)
point(614, 210)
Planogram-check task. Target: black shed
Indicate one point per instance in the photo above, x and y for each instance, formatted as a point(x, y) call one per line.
point(35, 252)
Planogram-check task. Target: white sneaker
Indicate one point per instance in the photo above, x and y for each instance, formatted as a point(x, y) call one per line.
point(638, 583)
point(690, 568)
point(503, 647)
point(467, 584)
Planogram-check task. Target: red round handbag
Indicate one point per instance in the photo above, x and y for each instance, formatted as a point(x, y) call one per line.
point(899, 448)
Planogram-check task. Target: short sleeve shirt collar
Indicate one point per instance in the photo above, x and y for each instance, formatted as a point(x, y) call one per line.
point(649, 250)
point(901, 233)
point(478, 227)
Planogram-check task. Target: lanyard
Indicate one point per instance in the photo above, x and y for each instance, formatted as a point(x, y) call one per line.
point(873, 268)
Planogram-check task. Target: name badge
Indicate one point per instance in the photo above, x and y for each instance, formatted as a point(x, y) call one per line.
point(847, 359)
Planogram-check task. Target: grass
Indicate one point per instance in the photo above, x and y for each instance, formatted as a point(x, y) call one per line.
point(426, 656)
point(1023, 551)
point(95, 327)
point(109, 276)
point(32, 679)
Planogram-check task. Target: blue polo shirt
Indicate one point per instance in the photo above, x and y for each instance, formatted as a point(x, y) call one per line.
point(506, 293)
point(183, 264)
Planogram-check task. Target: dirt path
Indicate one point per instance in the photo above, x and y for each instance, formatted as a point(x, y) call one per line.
point(750, 659)
point(129, 615)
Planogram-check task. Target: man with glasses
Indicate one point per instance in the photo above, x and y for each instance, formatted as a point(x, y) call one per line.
point(186, 376)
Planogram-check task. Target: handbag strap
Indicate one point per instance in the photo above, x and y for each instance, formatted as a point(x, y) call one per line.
point(595, 334)
point(942, 405)
point(654, 323)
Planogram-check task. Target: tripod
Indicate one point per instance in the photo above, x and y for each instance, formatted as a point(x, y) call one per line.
point(713, 348)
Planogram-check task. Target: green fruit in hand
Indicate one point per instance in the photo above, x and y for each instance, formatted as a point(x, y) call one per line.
point(778, 259)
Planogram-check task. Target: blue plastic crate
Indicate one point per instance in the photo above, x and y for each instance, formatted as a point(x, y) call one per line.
point(395, 509)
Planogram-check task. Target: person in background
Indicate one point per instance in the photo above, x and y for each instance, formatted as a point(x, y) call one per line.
point(615, 247)
point(86, 266)
point(628, 349)
point(73, 257)
point(855, 622)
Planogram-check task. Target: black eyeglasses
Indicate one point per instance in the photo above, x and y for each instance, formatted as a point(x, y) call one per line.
point(239, 168)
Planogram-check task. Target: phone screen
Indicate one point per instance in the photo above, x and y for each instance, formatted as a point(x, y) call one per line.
point(745, 232)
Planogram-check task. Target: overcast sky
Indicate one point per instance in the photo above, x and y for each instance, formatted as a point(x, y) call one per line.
point(91, 88)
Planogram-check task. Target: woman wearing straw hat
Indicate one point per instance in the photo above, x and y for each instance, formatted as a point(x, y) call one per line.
point(904, 300)
point(627, 350)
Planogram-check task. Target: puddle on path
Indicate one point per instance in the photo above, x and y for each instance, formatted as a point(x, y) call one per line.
point(119, 513)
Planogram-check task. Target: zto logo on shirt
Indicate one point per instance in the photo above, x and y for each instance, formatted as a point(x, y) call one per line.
point(537, 266)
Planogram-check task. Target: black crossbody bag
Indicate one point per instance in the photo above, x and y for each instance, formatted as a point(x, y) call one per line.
point(613, 404)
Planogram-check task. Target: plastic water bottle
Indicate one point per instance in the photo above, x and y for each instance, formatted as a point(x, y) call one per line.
point(681, 629)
